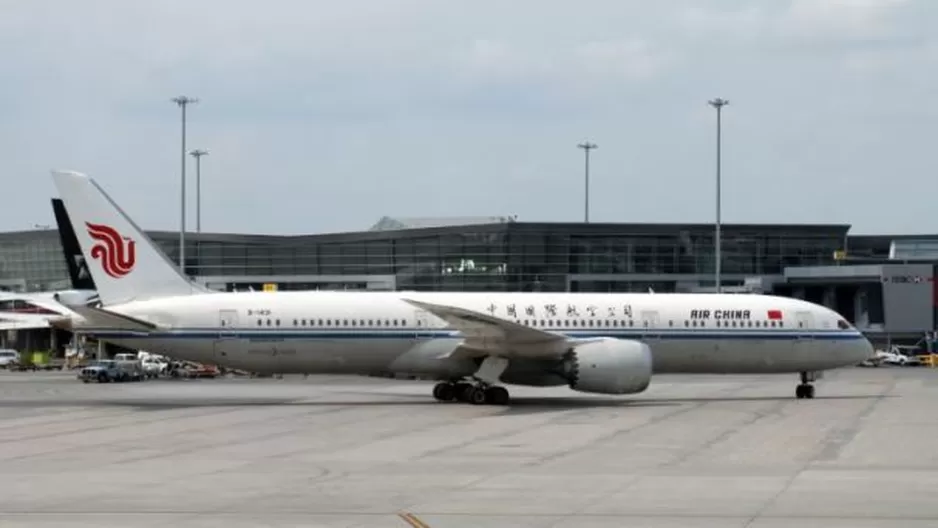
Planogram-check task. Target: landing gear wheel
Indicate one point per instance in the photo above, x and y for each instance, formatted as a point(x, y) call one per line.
point(477, 396)
point(497, 395)
point(462, 391)
point(804, 390)
point(444, 392)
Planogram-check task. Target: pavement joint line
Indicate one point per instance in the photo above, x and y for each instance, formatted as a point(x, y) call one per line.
point(413, 520)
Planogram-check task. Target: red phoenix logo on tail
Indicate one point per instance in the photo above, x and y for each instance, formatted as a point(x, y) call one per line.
point(117, 253)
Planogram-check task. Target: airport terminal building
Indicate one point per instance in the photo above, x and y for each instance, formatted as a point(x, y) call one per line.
point(885, 285)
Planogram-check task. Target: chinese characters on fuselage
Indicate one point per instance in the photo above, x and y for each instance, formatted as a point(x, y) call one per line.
point(551, 310)
point(720, 314)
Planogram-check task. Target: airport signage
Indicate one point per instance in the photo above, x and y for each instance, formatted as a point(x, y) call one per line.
point(907, 279)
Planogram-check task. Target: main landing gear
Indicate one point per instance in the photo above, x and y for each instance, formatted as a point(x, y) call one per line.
point(474, 393)
point(806, 389)
point(483, 388)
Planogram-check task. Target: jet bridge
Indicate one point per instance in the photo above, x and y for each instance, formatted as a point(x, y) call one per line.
point(896, 300)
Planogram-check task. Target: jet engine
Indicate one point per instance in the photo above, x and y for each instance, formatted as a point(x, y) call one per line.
point(609, 366)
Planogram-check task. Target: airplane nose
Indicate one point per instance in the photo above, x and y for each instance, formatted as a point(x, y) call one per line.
point(862, 350)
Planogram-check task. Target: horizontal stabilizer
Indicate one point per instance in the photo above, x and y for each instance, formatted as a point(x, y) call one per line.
point(104, 319)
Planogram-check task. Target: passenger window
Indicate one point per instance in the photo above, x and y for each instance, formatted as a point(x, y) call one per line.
point(344, 322)
point(670, 322)
point(781, 324)
point(278, 322)
point(260, 323)
point(268, 322)
point(361, 322)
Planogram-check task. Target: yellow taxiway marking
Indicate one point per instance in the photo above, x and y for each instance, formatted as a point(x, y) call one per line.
point(412, 520)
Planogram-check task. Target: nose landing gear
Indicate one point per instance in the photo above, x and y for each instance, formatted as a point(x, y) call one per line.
point(806, 390)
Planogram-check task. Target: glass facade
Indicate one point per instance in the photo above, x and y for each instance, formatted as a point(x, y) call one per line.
point(32, 261)
point(487, 257)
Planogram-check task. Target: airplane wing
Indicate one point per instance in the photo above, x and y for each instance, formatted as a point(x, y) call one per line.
point(101, 318)
point(486, 334)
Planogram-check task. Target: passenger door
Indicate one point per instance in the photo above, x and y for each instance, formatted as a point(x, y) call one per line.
point(651, 326)
point(422, 324)
point(228, 344)
point(804, 325)
point(804, 328)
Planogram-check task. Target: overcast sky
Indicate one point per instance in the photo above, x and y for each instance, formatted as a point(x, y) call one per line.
point(324, 116)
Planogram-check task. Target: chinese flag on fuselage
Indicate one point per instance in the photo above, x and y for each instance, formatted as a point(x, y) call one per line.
point(775, 315)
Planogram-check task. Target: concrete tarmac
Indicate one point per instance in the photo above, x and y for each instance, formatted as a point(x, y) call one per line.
point(702, 451)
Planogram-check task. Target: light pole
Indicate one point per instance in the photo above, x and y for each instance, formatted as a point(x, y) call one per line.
point(183, 101)
point(587, 147)
point(197, 154)
point(718, 103)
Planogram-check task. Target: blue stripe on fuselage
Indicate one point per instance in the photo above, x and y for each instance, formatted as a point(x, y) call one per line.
point(412, 333)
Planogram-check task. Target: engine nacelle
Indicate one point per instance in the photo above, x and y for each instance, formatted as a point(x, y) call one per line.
point(609, 366)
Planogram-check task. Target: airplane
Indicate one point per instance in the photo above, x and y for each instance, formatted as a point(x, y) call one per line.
point(39, 310)
point(471, 343)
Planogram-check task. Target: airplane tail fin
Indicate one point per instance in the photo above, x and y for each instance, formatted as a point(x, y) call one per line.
point(124, 263)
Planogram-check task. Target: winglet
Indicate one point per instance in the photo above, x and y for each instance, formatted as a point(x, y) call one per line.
point(124, 263)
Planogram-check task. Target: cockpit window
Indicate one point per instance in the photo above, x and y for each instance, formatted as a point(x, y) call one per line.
point(843, 325)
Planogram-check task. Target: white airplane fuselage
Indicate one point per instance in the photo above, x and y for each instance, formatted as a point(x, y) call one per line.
point(381, 333)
